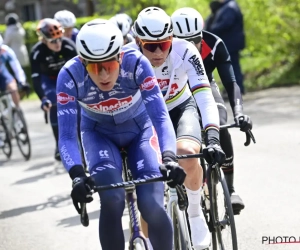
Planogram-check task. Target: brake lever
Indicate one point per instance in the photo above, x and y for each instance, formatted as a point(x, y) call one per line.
point(249, 137)
point(84, 217)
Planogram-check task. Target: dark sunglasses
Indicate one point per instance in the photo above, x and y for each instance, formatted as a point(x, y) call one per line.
point(152, 46)
point(195, 40)
point(55, 40)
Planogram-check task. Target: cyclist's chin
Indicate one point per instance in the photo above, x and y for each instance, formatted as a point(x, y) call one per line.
point(157, 62)
point(106, 86)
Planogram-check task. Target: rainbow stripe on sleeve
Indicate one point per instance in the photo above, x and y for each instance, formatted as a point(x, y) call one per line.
point(200, 87)
point(211, 126)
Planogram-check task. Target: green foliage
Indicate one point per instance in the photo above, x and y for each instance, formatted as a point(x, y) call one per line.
point(271, 56)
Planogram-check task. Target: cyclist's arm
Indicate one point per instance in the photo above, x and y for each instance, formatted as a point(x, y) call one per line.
point(67, 121)
point(156, 106)
point(225, 69)
point(15, 64)
point(200, 88)
point(36, 73)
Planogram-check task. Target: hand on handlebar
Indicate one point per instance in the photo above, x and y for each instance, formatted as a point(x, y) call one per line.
point(82, 191)
point(214, 154)
point(173, 173)
point(46, 104)
point(244, 122)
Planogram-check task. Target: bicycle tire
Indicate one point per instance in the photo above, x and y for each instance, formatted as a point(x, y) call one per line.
point(22, 136)
point(225, 223)
point(138, 244)
point(7, 148)
point(180, 241)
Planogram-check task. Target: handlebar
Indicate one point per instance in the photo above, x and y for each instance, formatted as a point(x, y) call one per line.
point(84, 218)
point(249, 134)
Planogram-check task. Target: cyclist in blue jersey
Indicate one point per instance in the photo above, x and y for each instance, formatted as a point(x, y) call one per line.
point(7, 81)
point(67, 20)
point(121, 106)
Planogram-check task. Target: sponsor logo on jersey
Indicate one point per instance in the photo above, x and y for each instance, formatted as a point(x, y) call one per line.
point(148, 83)
point(139, 70)
point(69, 84)
point(194, 60)
point(163, 83)
point(64, 98)
point(111, 104)
point(126, 74)
point(165, 71)
point(155, 145)
point(174, 88)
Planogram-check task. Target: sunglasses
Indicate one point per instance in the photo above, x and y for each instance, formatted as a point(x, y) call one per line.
point(96, 67)
point(152, 46)
point(55, 40)
point(195, 40)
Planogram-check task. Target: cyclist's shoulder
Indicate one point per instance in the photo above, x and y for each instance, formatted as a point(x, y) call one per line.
point(182, 48)
point(6, 51)
point(130, 54)
point(74, 66)
point(67, 45)
point(38, 49)
point(211, 39)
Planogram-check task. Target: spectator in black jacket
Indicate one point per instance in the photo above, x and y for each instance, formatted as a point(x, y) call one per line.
point(226, 21)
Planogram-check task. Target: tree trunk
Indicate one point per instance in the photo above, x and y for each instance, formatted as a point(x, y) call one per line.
point(90, 8)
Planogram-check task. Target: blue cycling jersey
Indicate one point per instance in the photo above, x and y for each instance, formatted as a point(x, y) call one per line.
point(74, 34)
point(134, 102)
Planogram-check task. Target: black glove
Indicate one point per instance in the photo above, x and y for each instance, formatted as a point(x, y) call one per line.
point(45, 103)
point(243, 121)
point(25, 87)
point(82, 187)
point(214, 154)
point(171, 171)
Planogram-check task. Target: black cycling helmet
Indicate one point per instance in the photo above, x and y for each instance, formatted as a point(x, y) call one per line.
point(49, 28)
point(11, 18)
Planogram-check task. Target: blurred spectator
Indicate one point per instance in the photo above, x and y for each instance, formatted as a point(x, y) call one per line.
point(14, 37)
point(226, 21)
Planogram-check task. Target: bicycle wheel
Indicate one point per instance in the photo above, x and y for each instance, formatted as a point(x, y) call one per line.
point(181, 231)
point(138, 244)
point(223, 232)
point(21, 134)
point(5, 138)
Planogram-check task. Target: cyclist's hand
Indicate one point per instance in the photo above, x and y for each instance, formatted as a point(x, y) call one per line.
point(173, 173)
point(46, 104)
point(214, 154)
point(25, 87)
point(244, 122)
point(82, 190)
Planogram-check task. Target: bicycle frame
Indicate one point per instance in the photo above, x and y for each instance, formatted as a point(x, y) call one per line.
point(136, 232)
point(6, 108)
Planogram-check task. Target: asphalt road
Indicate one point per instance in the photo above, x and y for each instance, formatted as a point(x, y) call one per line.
point(36, 211)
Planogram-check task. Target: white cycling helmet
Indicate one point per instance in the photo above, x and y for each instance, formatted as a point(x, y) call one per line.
point(187, 23)
point(124, 15)
point(99, 40)
point(66, 18)
point(153, 23)
point(122, 23)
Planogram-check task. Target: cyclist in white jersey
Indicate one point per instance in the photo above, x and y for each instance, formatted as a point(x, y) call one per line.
point(176, 64)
